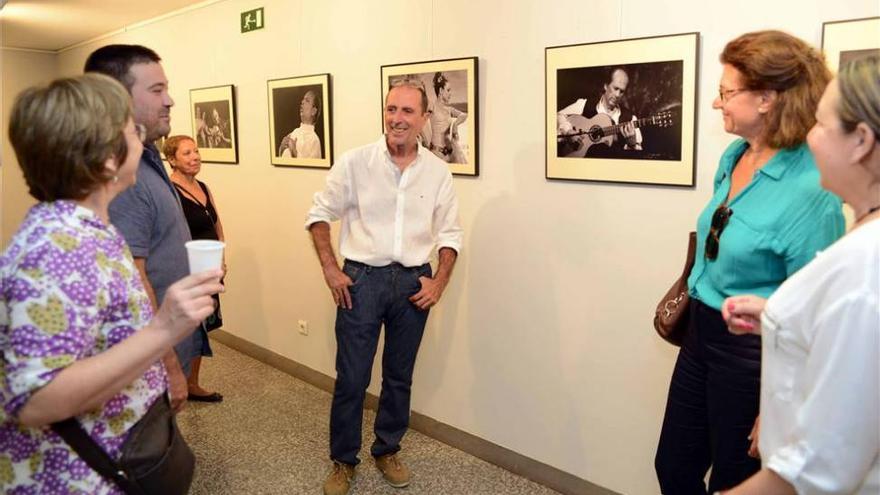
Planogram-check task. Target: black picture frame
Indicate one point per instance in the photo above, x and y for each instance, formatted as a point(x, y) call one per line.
point(652, 81)
point(457, 82)
point(293, 142)
point(214, 123)
point(849, 38)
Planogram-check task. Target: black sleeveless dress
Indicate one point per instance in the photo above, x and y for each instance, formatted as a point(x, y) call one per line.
point(202, 219)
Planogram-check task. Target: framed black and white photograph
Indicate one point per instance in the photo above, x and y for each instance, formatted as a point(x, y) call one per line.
point(623, 111)
point(451, 130)
point(843, 41)
point(300, 122)
point(214, 123)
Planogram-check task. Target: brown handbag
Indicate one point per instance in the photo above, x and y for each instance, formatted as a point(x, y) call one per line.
point(671, 318)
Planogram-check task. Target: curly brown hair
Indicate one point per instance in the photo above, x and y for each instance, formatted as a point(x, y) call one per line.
point(778, 61)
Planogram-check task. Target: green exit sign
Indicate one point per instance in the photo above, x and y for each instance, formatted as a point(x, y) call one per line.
point(252, 20)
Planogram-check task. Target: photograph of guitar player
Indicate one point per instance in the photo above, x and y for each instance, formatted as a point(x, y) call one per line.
point(621, 111)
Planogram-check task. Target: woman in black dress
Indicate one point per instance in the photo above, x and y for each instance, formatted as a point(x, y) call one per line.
point(204, 223)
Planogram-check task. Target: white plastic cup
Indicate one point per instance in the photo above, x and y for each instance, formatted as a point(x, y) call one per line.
point(204, 255)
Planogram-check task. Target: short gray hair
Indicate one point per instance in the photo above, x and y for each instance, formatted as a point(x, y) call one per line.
point(414, 84)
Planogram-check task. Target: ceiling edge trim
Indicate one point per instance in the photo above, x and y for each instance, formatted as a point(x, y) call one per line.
point(131, 27)
point(31, 50)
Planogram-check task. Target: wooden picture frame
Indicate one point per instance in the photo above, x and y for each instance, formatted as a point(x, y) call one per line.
point(594, 90)
point(452, 129)
point(300, 121)
point(844, 40)
point(214, 124)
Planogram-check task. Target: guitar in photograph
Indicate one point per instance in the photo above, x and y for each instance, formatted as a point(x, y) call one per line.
point(600, 130)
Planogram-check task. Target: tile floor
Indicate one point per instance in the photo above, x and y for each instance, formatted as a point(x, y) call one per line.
point(269, 436)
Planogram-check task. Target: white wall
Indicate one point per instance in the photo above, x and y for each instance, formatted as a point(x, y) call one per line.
point(20, 69)
point(543, 341)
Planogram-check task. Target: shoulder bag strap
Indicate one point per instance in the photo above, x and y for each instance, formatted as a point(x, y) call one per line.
point(73, 433)
point(692, 251)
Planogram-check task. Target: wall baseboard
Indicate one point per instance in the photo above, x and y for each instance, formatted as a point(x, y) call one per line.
point(514, 462)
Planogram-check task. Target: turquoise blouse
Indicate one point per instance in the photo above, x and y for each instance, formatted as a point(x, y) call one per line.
point(780, 220)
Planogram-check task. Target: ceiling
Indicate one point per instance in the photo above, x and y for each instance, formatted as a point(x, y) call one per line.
point(53, 25)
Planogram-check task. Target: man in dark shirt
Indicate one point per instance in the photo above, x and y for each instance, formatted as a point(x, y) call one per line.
point(149, 214)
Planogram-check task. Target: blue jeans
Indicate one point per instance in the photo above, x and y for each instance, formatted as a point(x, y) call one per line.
point(379, 295)
point(712, 405)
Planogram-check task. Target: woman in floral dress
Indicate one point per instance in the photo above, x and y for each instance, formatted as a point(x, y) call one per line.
point(77, 333)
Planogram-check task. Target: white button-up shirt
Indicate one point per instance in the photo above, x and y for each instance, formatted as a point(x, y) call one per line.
point(388, 215)
point(820, 374)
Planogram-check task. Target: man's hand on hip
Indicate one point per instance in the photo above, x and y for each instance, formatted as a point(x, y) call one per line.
point(338, 282)
point(429, 294)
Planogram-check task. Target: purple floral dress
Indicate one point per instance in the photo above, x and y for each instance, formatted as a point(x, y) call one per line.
point(68, 290)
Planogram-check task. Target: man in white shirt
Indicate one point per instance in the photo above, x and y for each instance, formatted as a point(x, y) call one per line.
point(624, 137)
point(303, 142)
point(397, 205)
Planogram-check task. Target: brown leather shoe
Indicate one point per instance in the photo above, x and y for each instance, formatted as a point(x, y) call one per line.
point(393, 470)
point(339, 481)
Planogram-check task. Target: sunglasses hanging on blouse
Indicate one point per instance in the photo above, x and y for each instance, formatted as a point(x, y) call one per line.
point(719, 221)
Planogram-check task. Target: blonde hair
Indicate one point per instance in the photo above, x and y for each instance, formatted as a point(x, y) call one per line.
point(774, 60)
point(859, 82)
point(64, 133)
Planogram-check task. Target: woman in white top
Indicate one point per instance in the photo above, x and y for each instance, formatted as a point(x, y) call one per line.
point(820, 378)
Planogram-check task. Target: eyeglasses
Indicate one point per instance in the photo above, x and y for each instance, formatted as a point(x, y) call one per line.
point(140, 130)
point(719, 221)
point(726, 94)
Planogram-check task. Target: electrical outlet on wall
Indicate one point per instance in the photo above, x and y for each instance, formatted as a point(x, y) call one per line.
point(303, 327)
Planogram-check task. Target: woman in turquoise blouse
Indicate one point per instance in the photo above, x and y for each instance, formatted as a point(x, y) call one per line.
point(767, 218)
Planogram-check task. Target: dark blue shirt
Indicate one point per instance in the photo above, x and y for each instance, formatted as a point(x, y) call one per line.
point(150, 218)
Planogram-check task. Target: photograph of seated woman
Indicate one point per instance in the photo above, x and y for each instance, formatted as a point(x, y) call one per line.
point(445, 119)
point(201, 215)
point(77, 331)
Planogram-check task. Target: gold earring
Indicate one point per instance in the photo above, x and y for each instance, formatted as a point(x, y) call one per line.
point(115, 179)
